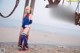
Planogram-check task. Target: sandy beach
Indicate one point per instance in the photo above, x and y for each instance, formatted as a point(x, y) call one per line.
point(38, 48)
point(39, 42)
point(39, 37)
point(49, 33)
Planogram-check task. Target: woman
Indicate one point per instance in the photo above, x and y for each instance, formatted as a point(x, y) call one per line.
point(27, 20)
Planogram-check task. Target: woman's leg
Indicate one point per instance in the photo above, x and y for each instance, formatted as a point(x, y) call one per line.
point(26, 31)
point(21, 30)
point(27, 37)
point(21, 40)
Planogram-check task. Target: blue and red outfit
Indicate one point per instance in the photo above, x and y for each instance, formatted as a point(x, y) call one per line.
point(25, 23)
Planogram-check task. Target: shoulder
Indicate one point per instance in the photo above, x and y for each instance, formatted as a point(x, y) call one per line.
point(30, 16)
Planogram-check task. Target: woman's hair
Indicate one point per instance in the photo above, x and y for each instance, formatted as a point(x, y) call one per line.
point(30, 11)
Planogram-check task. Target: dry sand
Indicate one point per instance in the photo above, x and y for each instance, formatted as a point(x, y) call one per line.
point(39, 42)
point(39, 37)
point(38, 48)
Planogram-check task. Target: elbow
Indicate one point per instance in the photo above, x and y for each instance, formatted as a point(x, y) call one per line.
point(30, 22)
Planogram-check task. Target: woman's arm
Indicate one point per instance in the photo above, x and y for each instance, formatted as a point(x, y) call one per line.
point(30, 19)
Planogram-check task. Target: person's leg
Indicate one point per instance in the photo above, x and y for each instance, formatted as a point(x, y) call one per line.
point(21, 30)
point(25, 40)
point(27, 36)
point(21, 40)
point(24, 47)
point(26, 31)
